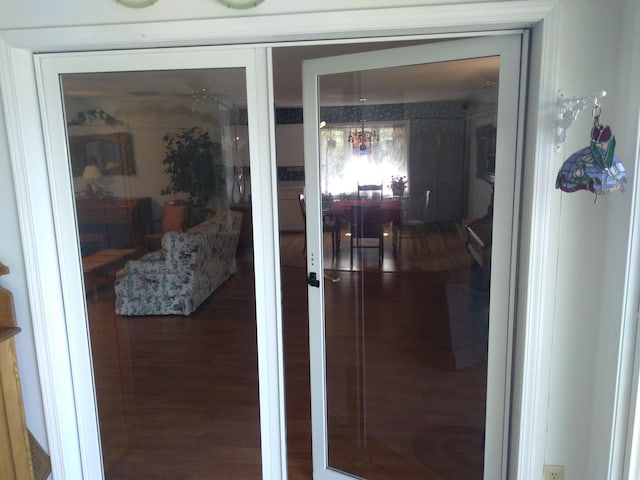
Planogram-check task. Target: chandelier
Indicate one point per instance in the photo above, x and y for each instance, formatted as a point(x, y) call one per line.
point(363, 140)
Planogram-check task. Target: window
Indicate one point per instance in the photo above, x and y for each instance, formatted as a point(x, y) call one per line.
point(344, 167)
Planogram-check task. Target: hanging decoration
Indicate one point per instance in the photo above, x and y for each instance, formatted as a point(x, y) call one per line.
point(594, 168)
point(362, 141)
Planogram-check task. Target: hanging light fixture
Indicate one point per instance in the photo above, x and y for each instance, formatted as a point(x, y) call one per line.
point(594, 168)
point(362, 141)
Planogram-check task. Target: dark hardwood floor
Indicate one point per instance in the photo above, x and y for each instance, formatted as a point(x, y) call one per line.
point(178, 396)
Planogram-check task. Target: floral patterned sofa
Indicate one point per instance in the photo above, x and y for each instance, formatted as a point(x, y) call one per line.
point(184, 273)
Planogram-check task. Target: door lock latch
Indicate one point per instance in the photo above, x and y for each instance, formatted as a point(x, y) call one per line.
point(312, 280)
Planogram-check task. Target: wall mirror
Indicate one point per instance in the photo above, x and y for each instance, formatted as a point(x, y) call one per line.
point(112, 153)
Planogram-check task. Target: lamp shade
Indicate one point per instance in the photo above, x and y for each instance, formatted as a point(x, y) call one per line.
point(594, 169)
point(91, 172)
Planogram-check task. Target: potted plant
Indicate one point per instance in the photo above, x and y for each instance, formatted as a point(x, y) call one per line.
point(194, 164)
point(398, 185)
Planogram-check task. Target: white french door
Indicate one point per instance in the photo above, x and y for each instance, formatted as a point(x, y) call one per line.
point(410, 340)
point(233, 83)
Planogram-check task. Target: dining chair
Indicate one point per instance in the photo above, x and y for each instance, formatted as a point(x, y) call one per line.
point(414, 221)
point(370, 192)
point(329, 225)
point(366, 224)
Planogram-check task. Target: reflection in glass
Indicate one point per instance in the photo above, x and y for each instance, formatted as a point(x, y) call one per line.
point(341, 163)
point(407, 331)
point(109, 153)
point(173, 340)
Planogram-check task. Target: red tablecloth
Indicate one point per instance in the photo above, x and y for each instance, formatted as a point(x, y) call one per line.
point(390, 210)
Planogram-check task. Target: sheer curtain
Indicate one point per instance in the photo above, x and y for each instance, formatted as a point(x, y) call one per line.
point(343, 167)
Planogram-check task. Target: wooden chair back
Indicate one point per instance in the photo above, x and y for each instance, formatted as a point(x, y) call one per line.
point(370, 192)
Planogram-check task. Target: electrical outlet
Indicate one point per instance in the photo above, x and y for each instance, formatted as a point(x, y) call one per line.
point(554, 472)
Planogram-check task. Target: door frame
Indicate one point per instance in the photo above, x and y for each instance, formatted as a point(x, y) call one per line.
point(49, 67)
point(26, 146)
point(510, 118)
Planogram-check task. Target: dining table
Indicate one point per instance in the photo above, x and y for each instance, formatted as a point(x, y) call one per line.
point(340, 210)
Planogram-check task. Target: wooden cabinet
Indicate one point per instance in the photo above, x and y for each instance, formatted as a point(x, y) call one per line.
point(113, 222)
point(245, 241)
point(437, 164)
point(15, 458)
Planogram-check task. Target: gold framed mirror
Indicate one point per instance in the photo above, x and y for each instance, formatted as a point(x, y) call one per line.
point(112, 153)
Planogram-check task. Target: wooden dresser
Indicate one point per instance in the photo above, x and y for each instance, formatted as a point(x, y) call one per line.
point(15, 458)
point(113, 222)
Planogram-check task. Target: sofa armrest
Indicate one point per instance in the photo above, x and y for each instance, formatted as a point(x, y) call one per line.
point(145, 266)
point(156, 256)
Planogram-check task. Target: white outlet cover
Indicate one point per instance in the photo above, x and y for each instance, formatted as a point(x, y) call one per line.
point(554, 472)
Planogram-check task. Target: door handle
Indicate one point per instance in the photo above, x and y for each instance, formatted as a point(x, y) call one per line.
point(312, 280)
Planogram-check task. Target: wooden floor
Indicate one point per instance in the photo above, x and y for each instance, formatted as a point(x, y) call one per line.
point(178, 396)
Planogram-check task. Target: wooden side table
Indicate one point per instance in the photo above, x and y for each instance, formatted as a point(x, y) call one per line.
point(15, 459)
point(101, 267)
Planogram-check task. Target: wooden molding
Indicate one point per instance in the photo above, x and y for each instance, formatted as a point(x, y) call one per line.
point(15, 461)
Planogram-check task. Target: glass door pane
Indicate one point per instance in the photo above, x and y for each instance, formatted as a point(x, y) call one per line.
point(404, 392)
point(405, 222)
point(160, 169)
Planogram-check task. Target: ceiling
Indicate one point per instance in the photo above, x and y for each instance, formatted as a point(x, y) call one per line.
point(457, 80)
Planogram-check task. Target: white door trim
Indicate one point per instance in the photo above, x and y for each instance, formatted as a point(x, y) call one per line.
point(372, 22)
point(26, 144)
point(20, 102)
point(625, 449)
point(537, 279)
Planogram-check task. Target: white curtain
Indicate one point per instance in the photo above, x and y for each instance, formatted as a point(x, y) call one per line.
point(343, 167)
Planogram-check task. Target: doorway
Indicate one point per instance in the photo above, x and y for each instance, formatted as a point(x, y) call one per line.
point(408, 352)
point(259, 220)
point(166, 317)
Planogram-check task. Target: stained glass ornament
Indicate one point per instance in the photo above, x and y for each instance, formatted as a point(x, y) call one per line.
point(594, 168)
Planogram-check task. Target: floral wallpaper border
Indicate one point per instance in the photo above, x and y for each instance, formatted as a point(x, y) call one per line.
point(432, 115)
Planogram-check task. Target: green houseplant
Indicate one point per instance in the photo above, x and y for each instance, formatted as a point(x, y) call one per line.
point(194, 164)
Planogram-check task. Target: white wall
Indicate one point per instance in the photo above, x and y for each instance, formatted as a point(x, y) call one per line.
point(591, 244)
point(289, 145)
point(590, 272)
